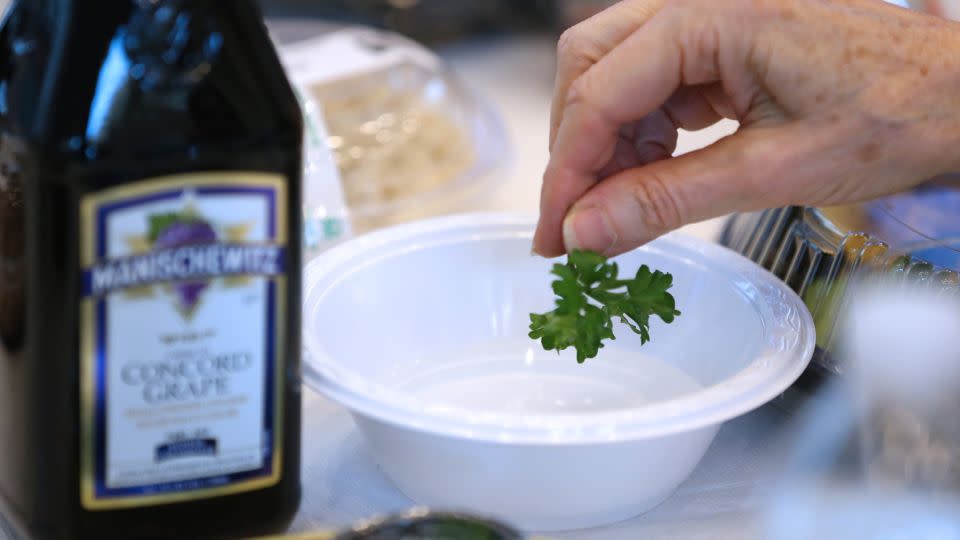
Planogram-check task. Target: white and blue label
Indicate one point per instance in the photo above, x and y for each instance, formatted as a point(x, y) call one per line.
point(182, 288)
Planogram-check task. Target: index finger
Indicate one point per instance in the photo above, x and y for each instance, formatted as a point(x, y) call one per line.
point(594, 110)
point(584, 44)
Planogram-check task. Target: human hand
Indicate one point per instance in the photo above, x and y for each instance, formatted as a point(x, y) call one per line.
point(838, 102)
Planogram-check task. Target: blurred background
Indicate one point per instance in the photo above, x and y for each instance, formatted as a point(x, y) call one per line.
point(433, 21)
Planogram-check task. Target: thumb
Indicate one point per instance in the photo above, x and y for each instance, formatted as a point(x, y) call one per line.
point(750, 170)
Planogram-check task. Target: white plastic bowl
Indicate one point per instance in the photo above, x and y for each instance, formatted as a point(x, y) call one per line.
point(420, 331)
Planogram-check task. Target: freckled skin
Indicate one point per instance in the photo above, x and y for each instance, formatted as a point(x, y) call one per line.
point(838, 101)
point(787, 13)
point(869, 152)
point(867, 66)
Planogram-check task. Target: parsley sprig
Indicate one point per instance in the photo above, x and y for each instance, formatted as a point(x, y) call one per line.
point(590, 294)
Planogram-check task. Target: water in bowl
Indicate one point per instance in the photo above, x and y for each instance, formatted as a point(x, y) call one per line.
point(518, 376)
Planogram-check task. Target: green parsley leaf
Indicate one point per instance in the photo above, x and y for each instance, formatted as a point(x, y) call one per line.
point(590, 294)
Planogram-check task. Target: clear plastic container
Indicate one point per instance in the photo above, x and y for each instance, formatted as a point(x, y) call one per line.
point(325, 218)
point(408, 138)
point(913, 236)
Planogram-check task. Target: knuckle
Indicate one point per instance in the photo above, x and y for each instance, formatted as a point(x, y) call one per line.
point(768, 170)
point(688, 5)
point(750, 6)
point(660, 210)
point(576, 92)
point(680, 5)
point(697, 7)
point(701, 61)
point(761, 8)
point(586, 95)
point(570, 43)
point(769, 158)
point(578, 48)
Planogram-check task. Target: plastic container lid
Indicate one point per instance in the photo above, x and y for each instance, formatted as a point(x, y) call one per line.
point(408, 138)
point(912, 236)
point(923, 222)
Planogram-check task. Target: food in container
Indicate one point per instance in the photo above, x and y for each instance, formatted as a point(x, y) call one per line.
point(409, 140)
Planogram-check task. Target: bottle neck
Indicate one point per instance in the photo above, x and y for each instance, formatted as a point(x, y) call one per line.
point(55, 5)
point(46, 10)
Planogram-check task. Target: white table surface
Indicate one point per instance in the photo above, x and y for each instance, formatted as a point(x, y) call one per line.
point(341, 482)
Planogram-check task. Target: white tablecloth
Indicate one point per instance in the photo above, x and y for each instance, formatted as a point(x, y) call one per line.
point(342, 484)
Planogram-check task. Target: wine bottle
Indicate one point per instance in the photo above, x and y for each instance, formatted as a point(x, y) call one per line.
point(150, 225)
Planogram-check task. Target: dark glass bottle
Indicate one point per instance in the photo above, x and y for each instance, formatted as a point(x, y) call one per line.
point(150, 162)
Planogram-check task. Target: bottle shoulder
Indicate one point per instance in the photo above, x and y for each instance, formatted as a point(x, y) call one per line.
point(152, 80)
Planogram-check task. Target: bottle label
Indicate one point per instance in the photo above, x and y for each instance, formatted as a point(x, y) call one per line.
point(181, 337)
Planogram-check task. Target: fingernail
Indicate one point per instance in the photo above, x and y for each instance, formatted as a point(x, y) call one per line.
point(588, 229)
point(533, 244)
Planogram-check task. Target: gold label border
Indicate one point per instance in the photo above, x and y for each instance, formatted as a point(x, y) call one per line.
point(88, 207)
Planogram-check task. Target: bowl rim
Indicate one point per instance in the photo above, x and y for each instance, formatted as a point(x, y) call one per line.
point(789, 339)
